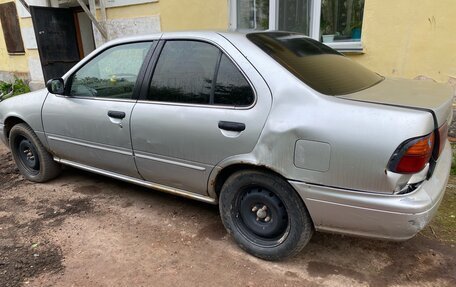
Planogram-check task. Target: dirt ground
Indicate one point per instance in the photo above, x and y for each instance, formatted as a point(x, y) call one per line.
point(87, 230)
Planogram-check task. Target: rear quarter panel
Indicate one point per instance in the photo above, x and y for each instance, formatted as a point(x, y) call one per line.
point(361, 136)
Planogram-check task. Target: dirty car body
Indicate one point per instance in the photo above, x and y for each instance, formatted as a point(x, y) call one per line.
point(344, 140)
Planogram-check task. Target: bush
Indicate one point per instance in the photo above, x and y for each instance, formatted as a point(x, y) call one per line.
point(15, 88)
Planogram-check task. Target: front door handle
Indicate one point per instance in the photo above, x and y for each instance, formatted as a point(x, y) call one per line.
point(116, 114)
point(231, 126)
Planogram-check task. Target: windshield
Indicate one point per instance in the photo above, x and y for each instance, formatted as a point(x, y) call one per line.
point(322, 68)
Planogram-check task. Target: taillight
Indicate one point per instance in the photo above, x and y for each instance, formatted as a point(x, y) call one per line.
point(443, 135)
point(413, 155)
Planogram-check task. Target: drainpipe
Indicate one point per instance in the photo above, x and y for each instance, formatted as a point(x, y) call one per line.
point(26, 6)
point(91, 15)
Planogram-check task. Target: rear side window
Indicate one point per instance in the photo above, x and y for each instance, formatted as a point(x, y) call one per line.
point(194, 72)
point(232, 88)
point(322, 68)
point(184, 73)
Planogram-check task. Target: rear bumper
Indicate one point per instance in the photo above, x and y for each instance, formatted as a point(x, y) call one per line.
point(394, 217)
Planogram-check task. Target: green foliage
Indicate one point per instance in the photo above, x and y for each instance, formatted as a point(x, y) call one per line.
point(18, 87)
point(5, 87)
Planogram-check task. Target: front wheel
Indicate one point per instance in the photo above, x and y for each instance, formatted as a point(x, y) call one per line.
point(32, 159)
point(265, 215)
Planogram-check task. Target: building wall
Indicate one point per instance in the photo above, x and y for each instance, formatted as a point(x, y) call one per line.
point(164, 15)
point(27, 65)
point(400, 38)
point(410, 38)
point(178, 14)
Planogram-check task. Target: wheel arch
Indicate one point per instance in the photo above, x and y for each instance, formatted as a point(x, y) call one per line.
point(221, 174)
point(266, 240)
point(10, 122)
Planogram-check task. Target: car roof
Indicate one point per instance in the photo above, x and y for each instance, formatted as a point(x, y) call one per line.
point(156, 36)
point(230, 35)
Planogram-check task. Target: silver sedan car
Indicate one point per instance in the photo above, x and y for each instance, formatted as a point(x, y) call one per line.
point(287, 135)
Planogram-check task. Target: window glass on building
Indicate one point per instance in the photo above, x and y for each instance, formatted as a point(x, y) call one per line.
point(232, 88)
point(184, 73)
point(294, 16)
point(253, 14)
point(341, 20)
point(112, 74)
point(331, 21)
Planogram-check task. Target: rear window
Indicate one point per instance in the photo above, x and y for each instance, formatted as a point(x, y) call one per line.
point(322, 68)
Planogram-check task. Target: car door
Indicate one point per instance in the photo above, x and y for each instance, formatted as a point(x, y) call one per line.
point(200, 106)
point(91, 125)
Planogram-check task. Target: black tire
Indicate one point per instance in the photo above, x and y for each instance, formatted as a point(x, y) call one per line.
point(280, 230)
point(34, 162)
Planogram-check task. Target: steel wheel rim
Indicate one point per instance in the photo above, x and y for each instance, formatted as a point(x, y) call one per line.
point(27, 154)
point(261, 216)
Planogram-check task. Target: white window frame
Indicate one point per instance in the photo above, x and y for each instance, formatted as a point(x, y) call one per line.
point(314, 31)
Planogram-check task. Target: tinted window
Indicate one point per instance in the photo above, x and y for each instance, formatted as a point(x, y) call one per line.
point(232, 88)
point(317, 65)
point(184, 73)
point(112, 74)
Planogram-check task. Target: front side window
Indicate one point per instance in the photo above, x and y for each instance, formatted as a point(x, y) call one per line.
point(111, 74)
point(194, 72)
point(320, 67)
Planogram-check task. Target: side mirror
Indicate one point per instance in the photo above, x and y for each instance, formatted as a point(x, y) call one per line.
point(56, 86)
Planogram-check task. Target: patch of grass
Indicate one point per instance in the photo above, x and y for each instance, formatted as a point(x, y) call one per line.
point(443, 226)
point(453, 165)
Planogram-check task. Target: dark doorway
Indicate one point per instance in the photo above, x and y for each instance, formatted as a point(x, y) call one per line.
point(57, 40)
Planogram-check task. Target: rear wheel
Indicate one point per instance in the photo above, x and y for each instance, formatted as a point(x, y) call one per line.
point(265, 215)
point(32, 159)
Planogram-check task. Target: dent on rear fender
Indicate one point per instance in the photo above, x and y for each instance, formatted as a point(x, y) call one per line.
point(354, 141)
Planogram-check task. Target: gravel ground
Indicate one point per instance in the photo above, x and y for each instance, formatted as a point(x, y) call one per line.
point(87, 230)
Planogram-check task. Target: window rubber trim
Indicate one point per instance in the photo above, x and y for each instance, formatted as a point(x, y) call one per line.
point(214, 78)
point(147, 79)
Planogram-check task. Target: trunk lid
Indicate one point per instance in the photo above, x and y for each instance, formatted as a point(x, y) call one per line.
point(415, 94)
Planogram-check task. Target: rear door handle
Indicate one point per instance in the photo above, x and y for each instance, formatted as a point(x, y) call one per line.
point(231, 126)
point(116, 114)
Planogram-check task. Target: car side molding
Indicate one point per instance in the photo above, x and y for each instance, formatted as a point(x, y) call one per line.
point(148, 184)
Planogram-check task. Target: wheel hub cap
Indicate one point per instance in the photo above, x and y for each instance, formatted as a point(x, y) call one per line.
point(27, 154)
point(263, 213)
